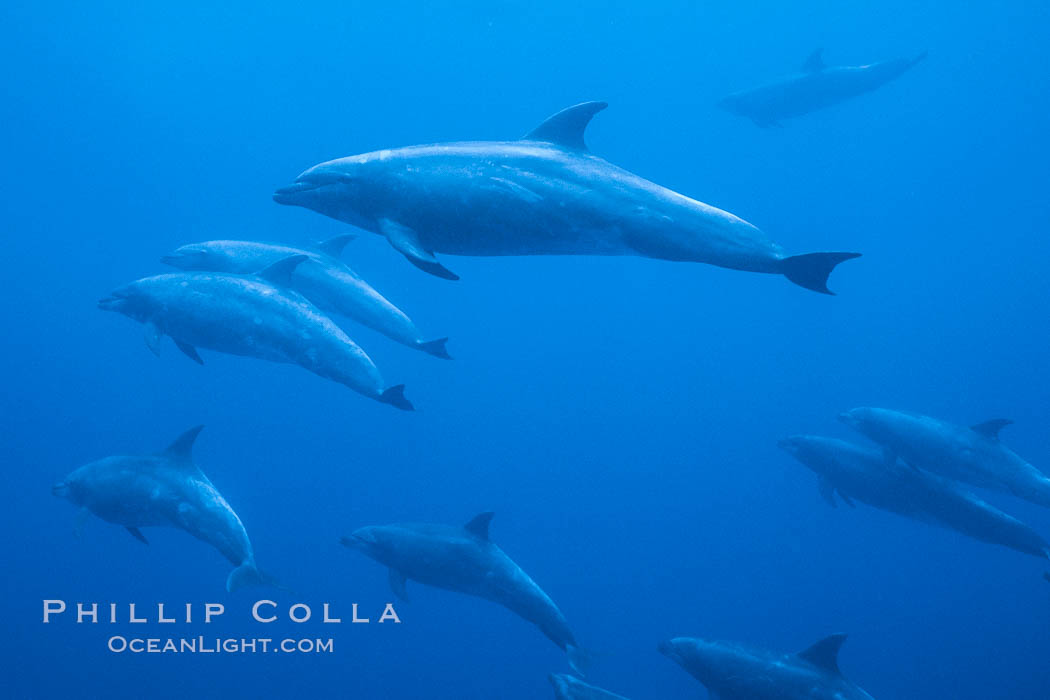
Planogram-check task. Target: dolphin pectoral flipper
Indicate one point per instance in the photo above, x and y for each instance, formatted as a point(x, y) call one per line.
point(811, 270)
point(137, 534)
point(398, 583)
point(189, 350)
point(152, 336)
point(827, 491)
point(406, 241)
point(847, 500)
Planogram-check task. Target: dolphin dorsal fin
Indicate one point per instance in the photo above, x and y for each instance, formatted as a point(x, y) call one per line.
point(182, 449)
point(815, 62)
point(334, 246)
point(280, 273)
point(567, 126)
point(825, 653)
point(991, 428)
point(479, 526)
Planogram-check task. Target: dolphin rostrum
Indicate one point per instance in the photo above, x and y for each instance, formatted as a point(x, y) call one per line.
point(252, 316)
point(465, 560)
point(568, 687)
point(816, 87)
point(734, 672)
point(544, 194)
point(973, 454)
point(164, 490)
point(322, 278)
point(864, 474)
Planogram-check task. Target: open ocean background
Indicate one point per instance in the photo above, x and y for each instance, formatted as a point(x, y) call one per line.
point(620, 416)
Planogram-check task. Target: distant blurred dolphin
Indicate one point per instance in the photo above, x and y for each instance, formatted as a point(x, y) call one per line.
point(864, 474)
point(567, 687)
point(816, 87)
point(735, 672)
point(544, 194)
point(252, 316)
point(164, 489)
point(322, 278)
point(972, 454)
point(465, 560)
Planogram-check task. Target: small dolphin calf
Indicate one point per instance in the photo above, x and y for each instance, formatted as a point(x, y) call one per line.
point(816, 87)
point(542, 195)
point(732, 672)
point(973, 454)
point(322, 278)
point(864, 474)
point(166, 489)
point(464, 559)
point(567, 687)
point(254, 317)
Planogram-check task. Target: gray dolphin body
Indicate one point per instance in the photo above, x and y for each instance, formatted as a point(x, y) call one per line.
point(734, 672)
point(816, 87)
point(465, 560)
point(973, 454)
point(164, 490)
point(864, 474)
point(322, 278)
point(252, 317)
point(567, 687)
point(542, 195)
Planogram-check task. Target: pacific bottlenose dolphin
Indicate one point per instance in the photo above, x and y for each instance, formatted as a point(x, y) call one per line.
point(734, 672)
point(864, 474)
point(322, 278)
point(567, 687)
point(465, 560)
point(164, 490)
point(973, 454)
point(815, 87)
point(544, 194)
point(253, 316)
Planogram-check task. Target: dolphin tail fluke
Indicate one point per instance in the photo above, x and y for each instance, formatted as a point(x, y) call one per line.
point(579, 660)
point(812, 269)
point(247, 575)
point(395, 396)
point(436, 348)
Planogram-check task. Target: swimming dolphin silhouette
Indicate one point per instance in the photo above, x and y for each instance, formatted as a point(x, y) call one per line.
point(545, 194)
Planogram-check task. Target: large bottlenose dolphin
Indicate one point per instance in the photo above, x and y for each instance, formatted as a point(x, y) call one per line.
point(973, 454)
point(816, 87)
point(864, 474)
point(542, 195)
point(164, 490)
point(254, 317)
point(734, 672)
point(567, 687)
point(322, 278)
point(465, 560)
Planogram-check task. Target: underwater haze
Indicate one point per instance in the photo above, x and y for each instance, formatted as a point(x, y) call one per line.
point(620, 415)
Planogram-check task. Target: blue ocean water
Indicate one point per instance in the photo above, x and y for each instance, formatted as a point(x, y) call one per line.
point(620, 415)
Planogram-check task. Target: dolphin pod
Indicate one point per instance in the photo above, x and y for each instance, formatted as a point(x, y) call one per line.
point(253, 316)
point(544, 194)
point(322, 278)
point(464, 560)
point(973, 455)
point(861, 473)
point(164, 490)
point(733, 672)
point(815, 87)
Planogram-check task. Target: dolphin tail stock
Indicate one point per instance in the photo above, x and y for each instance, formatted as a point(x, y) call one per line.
point(395, 396)
point(919, 58)
point(248, 575)
point(811, 270)
point(435, 348)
